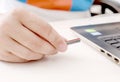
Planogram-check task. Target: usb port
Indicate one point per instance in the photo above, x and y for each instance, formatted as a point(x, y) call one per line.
point(109, 55)
point(102, 51)
point(116, 60)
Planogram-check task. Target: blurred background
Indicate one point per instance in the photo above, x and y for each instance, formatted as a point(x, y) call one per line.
point(99, 7)
point(105, 7)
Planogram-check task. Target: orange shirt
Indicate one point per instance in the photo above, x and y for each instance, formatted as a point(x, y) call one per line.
point(52, 4)
point(72, 5)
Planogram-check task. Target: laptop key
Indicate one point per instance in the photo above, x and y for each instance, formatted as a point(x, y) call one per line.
point(108, 39)
point(117, 37)
point(116, 45)
point(118, 40)
point(112, 42)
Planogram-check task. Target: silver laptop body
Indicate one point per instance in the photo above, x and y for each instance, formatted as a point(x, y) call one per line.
point(103, 37)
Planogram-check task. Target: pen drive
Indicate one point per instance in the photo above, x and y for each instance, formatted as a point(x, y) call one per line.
point(73, 41)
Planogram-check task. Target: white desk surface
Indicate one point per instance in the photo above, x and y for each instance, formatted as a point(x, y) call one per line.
point(80, 63)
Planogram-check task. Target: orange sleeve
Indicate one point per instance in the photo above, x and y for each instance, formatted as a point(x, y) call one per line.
point(52, 4)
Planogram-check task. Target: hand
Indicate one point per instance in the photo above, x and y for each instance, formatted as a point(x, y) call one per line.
point(25, 37)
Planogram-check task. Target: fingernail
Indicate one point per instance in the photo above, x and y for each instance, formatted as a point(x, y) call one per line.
point(62, 47)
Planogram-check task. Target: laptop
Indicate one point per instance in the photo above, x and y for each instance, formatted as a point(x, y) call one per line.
point(103, 37)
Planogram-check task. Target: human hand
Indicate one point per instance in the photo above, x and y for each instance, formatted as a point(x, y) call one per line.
point(25, 37)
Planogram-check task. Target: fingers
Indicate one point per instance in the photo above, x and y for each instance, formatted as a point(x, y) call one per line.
point(41, 28)
point(20, 50)
point(9, 57)
point(24, 37)
point(31, 41)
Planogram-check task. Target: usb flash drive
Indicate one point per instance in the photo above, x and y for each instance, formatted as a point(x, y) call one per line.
point(73, 41)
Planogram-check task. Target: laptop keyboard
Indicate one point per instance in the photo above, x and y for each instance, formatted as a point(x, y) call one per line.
point(113, 40)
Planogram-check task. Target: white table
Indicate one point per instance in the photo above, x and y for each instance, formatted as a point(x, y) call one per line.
point(80, 63)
